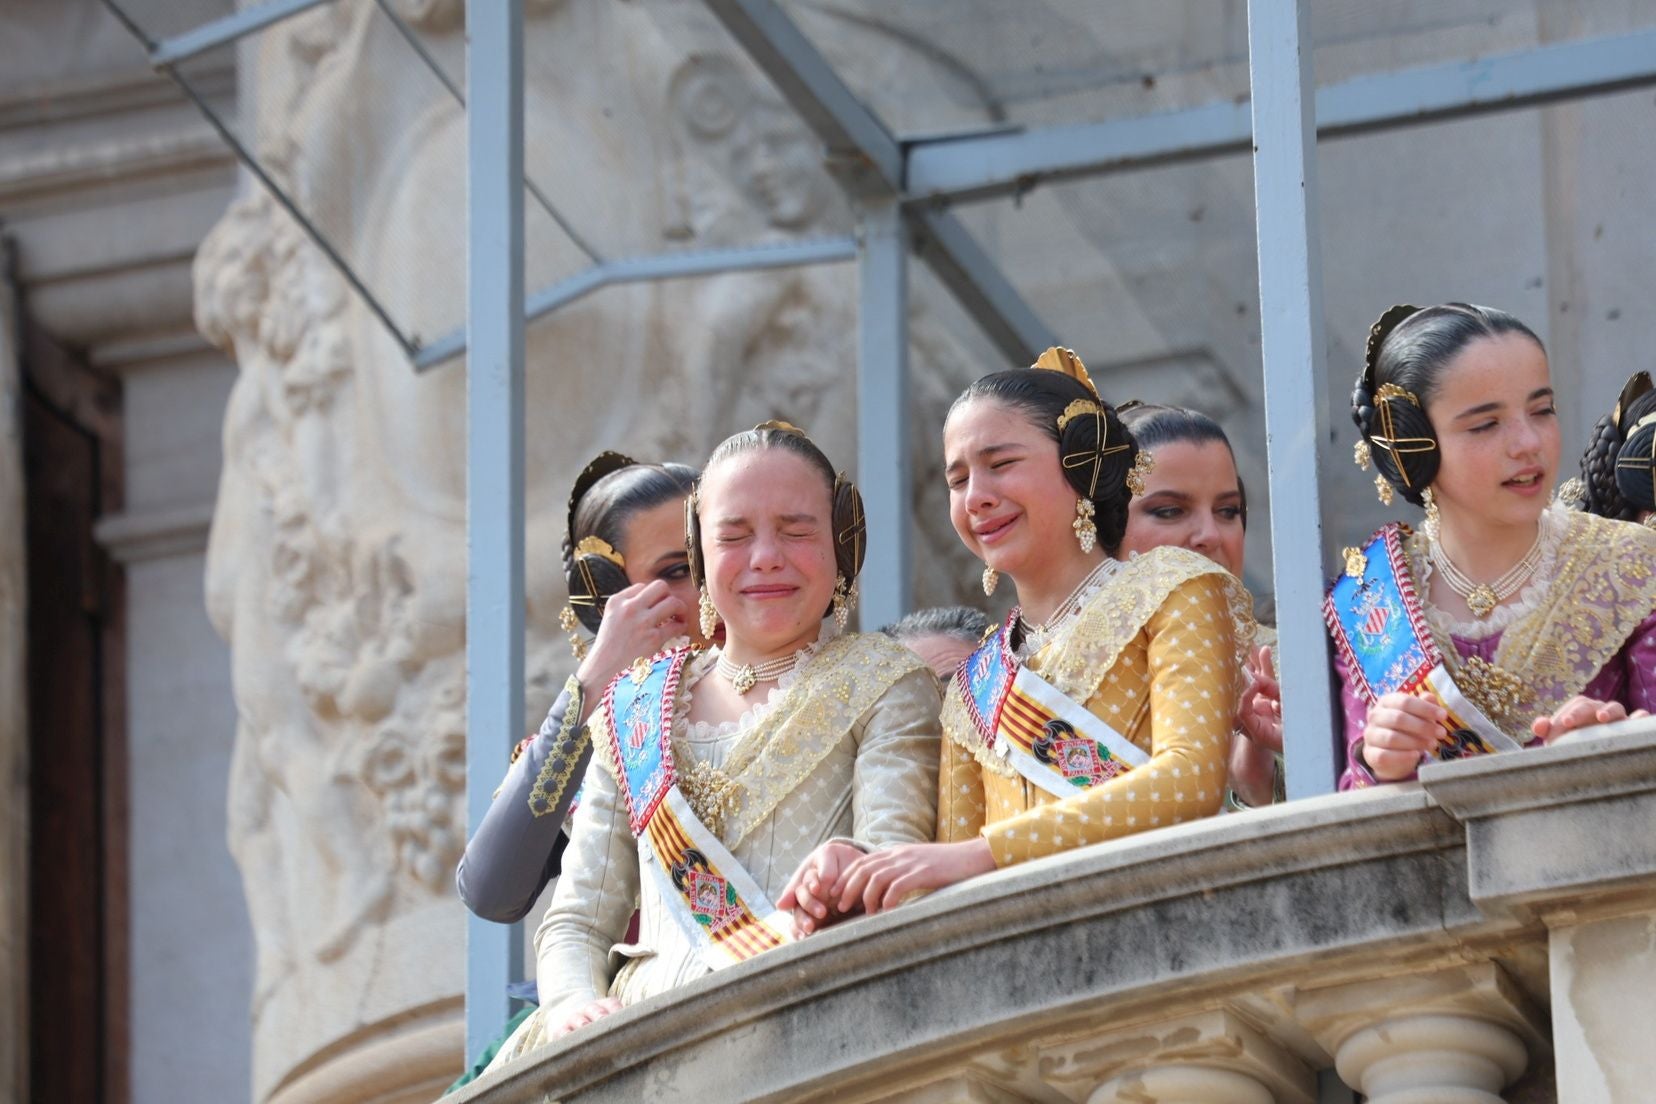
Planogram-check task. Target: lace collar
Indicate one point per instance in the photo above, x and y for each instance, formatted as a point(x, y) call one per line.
point(1555, 523)
point(1034, 640)
point(712, 732)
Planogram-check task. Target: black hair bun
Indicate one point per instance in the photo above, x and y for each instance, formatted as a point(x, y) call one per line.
point(1403, 446)
point(1097, 450)
point(850, 529)
point(1636, 467)
point(593, 580)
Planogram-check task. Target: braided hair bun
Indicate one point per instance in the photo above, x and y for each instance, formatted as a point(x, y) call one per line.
point(1636, 459)
point(1600, 476)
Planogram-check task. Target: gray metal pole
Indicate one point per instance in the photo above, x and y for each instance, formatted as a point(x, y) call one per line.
point(1291, 344)
point(883, 420)
point(494, 462)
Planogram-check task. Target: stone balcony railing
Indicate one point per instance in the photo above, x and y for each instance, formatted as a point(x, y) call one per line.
point(1486, 934)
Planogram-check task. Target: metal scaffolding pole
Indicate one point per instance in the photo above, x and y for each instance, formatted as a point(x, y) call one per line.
point(883, 411)
point(494, 463)
point(1291, 346)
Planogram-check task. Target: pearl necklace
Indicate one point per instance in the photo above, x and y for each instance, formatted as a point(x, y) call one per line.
point(1482, 598)
point(1035, 637)
point(745, 676)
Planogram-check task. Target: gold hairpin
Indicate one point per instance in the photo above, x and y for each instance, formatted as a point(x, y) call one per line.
point(1065, 362)
point(1077, 408)
point(781, 426)
point(598, 546)
point(1392, 391)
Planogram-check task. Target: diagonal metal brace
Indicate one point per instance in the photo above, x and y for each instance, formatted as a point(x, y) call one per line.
point(869, 162)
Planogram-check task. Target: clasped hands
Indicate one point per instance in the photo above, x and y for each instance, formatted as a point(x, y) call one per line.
point(1402, 729)
point(838, 880)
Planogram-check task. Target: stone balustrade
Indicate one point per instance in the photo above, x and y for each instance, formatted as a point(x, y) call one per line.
point(1487, 934)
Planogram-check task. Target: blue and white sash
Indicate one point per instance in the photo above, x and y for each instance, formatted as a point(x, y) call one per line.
point(1375, 618)
point(1047, 737)
point(716, 902)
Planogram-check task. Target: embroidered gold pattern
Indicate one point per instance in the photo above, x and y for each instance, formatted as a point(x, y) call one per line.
point(1080, 654)
point(1603, 584)
point(560, 764)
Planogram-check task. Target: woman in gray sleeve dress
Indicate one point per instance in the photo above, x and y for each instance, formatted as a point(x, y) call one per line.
point(629, 583)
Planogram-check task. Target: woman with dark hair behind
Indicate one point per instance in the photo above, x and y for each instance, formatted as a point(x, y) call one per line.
point(1616, 468)
point(1195, 499)
point(1505, 621)
point(1103, 706)
point(629, 584)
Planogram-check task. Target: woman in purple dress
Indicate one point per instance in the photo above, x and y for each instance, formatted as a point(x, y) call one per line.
point(1508, 619)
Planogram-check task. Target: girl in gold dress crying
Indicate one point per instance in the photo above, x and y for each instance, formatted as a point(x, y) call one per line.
point(1103, 706)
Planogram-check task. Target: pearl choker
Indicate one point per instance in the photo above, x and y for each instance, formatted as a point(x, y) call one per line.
point(745, 676)
point(1482, 598)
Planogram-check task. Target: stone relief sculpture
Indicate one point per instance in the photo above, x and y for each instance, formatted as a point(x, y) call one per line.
point(336, 564)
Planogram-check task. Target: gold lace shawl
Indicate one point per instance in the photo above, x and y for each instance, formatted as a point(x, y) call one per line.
point(1081, 653)
point(1603, 585)
point(845, 678)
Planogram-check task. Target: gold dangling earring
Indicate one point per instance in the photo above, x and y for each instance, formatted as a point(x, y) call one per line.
point(1086, 533)
point(708, 615)
point(844, 598)
point(570, 623)
point(991, 578)
point(1360, 454)
point(1431, 505)
point(1382, 490)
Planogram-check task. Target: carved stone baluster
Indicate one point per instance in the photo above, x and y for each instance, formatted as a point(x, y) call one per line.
point(1455, 1036)
point(1182, 1084)
point(1212, 1057)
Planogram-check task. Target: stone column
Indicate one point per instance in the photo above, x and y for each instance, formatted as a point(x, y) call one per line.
point(1455, 1036)
point(1603, 1001)
point(1212, 1057)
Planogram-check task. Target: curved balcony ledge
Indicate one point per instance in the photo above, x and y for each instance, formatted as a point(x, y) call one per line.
point(1264, 946)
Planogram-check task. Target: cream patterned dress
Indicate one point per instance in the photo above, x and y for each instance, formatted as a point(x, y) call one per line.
point(845, 746)
point(1156, 650)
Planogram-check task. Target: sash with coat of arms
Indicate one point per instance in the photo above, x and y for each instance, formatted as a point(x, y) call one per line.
point(1374, 615)
point(1051, 740)
point(716, 902)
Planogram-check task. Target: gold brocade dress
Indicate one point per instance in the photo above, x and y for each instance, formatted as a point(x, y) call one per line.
point(844, 746)
point(1157, 651)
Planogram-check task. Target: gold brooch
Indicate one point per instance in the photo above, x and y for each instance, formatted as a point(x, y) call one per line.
point(1356, 562)
point(712, 794)
point(1494, 690)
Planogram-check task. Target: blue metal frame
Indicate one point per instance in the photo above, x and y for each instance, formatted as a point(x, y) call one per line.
point(883, 461)
point(660, 266)
point(1001, 162)
point(494, 464)
point(1291, 346)
point(870, 162)
point(222, 32)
